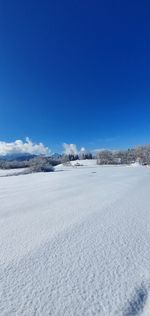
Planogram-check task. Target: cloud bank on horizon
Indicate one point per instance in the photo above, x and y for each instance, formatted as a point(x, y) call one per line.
point(20, 147)
point(28, 147)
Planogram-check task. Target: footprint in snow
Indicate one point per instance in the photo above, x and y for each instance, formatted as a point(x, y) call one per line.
point(137, 304)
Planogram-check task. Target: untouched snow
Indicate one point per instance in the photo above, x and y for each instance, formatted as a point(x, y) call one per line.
point(9, 172)
point(76, 242)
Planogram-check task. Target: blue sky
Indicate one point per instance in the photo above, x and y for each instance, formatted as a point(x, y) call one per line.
point(75, 72)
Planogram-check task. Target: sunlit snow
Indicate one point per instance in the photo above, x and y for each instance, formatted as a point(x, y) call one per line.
point(75, 242)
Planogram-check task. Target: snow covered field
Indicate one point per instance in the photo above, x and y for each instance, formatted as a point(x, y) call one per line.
point(75, 242)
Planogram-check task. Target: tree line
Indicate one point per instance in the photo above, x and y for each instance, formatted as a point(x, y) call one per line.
point(139, 154)
point(37, 164)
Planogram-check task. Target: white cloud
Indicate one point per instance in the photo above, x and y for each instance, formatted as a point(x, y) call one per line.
point(20, 147)
point(83, 150)
point(70, 149)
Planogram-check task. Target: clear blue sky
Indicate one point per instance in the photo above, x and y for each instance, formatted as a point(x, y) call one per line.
point(75, 71)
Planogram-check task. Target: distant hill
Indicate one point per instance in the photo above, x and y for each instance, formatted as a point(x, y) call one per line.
point(26, 156)
point(56, 155)
point(18, 157)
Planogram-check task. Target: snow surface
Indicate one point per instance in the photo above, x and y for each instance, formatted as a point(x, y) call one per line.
point(76, 242)
point(9, 172)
